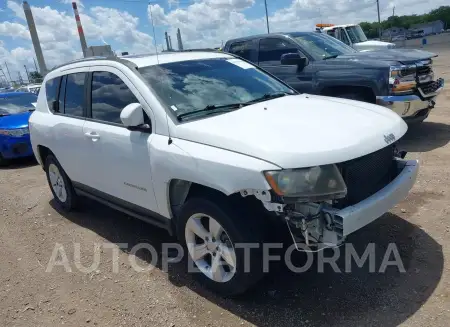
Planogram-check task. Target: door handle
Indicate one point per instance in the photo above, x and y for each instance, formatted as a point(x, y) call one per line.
point(92, 135)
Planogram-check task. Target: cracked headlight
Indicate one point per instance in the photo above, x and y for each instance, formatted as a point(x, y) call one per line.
point(311, 184)
point(15, 132)
point(402, 78)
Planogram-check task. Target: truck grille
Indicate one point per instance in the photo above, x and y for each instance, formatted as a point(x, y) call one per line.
point(424, 70)
point(366, 175)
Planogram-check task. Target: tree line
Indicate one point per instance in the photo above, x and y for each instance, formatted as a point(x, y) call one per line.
point(442, 13)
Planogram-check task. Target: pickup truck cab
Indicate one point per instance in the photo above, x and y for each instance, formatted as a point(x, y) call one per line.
point(315, 63)
point(217, 151)
point(354, 36)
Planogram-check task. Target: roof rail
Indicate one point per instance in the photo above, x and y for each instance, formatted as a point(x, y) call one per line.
point(127, 63)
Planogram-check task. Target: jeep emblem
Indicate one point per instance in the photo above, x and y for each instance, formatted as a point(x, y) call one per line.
point(389, 138)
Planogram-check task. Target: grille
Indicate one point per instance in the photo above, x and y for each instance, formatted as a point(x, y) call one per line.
point(430, 87)
point(366, 175)
point(424, 70)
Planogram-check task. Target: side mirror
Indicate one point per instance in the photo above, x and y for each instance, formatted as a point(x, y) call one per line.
point(292, 59)
point(132, 116)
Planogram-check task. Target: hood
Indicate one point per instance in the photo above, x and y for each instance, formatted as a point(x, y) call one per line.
point(403, 56)
point(15, 120)
point(298, 130)
point(373, 45)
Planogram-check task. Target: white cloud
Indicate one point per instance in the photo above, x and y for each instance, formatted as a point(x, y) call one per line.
point(59, 37)
point(205, 23)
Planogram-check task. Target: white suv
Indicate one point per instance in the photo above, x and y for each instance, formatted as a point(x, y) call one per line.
point(217, 151)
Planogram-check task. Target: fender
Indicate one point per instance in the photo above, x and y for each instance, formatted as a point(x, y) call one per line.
point(223, 170)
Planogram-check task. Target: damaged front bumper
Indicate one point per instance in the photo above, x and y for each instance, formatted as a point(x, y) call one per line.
point(325, 226)
point(352, 218)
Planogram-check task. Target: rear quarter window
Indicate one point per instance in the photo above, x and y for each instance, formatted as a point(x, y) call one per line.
point(51, 90)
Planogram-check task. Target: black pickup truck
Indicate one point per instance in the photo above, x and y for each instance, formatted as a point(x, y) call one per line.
point(315, 63)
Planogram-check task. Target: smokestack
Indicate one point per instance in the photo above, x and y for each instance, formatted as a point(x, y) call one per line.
point(80, 29)
point(167, 41)
point(34, 38)
point(170, 43)
point(180, 43)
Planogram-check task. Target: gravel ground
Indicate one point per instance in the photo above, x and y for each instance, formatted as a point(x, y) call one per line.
point(31, 226)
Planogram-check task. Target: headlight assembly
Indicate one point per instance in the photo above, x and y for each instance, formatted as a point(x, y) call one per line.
point(15, 132)
point(402, 78)
point(310, 184)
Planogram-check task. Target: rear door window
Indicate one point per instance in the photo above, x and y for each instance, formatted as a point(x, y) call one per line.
point(243, 49)
point(74, 101)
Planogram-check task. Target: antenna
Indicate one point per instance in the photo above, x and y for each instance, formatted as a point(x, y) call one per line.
point(157, 60)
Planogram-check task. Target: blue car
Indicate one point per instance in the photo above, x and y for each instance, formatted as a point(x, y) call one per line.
point(15, 110)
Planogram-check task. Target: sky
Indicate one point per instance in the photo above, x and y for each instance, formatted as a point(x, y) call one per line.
point(127, 25)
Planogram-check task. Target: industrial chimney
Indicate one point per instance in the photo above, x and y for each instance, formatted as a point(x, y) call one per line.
point(167, 41)
point(170, 43)
point(80, 29)
point(34, 38)
point(180, 43)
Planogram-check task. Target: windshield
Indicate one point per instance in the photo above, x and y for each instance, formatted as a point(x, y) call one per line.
point(188, 86)
point(356, 34)
point(14, 104)
point(320, 45)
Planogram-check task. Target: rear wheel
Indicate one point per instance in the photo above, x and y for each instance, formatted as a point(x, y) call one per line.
point(210, 230)
point(60, 184)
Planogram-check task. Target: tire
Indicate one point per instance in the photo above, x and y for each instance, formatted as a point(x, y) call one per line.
point(352, 96)
point(237, 228)
point(60, 184)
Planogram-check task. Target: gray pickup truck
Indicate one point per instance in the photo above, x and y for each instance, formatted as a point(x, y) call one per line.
point(400, 79)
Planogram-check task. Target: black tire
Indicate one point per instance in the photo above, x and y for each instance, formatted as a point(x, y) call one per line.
point(71, 200)
point(239, 228)
point(353, 96)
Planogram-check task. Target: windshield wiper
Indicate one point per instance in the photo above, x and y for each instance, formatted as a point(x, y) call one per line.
point(268, 96)
point(211, 108)
point(330, 57)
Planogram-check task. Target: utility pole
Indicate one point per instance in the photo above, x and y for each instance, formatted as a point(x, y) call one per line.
point(7, 69)
point(28, 75)
point(393, 11)
point(379, 20)
point(267, 17)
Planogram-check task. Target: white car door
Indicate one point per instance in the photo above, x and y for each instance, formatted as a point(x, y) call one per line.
point(121, 168)
point(67, 139)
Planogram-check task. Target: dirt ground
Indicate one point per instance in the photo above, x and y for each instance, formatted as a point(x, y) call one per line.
point(30, 226)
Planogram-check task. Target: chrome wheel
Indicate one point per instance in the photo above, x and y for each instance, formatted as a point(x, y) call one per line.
point(210, 248)
point(57, 182)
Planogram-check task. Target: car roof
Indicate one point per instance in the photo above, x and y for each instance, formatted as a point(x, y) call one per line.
point(334, 26)
point(258, 36)
point(143, 60)
point(163, 58)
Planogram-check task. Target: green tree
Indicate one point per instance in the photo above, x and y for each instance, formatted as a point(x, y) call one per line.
point(35, 77)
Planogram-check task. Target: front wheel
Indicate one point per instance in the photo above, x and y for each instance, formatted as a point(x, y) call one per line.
point(214, 234)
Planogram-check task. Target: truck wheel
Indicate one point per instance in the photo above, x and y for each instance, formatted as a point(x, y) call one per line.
point(353, 96)
point(60, 184)
point(210, 231)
